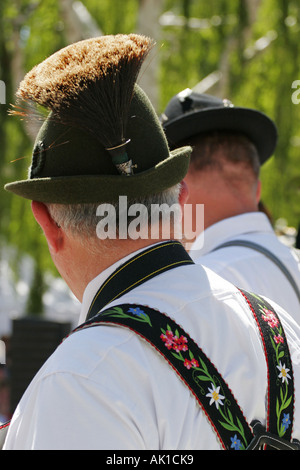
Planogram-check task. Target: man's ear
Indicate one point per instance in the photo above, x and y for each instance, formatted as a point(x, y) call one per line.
point(53, 233)
point(258, 191)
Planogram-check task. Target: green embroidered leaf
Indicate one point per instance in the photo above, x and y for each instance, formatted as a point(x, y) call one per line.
point(281, 431)
point(191, 355)
point(230, 427)
point(277, 407)
point(177, 333)
point(203, 365)
point(281, 354)
point(177, 356)
point(203, 378)
point(273, 344)
point(241, 429)
point(117, 309)
point(281, 395)
point(112, 311)
point(230, 415)
point(287, 403)
point(258, 298)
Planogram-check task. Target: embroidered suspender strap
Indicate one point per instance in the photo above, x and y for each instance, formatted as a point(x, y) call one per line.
point(190, 363)
point(145, 265)
point(268, 254)
point(280, 410)
point(207, 385)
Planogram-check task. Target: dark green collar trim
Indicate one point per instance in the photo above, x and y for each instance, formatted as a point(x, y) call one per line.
point(143, 266)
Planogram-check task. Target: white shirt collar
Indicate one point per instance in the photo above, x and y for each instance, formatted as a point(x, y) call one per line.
point(93, 286)
point(230, 228)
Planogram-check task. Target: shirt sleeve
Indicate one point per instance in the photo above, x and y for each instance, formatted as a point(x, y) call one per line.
point(70, 412)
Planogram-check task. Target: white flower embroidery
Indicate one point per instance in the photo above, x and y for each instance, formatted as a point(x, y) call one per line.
point(216, 398)
point(283, 372)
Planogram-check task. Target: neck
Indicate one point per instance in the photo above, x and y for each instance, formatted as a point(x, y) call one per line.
point(220, 199)
point(79, 265)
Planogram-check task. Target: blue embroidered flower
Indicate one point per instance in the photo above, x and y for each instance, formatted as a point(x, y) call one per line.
point(136, 311)
point(286, 421)
point(236, 443)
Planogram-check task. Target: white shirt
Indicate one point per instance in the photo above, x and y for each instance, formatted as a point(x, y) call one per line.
point(106, 388)
point(245, 267)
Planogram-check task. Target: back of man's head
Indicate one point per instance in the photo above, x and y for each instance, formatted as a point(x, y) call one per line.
point(214, 149)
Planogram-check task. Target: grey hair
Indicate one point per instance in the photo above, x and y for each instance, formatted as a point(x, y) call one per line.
point(81, 220)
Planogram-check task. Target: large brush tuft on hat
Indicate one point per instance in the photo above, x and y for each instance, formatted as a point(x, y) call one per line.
point(90, 85)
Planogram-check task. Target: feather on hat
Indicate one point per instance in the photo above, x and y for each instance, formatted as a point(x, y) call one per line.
point(100, 126)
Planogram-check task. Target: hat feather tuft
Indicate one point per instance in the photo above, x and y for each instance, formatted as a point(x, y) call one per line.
point(90, 84)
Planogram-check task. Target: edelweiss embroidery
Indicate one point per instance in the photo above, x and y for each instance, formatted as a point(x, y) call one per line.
point(202, 378)
point(180, 344)
point(279, 366)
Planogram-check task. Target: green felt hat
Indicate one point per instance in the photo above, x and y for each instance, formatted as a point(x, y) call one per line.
point(73, 163)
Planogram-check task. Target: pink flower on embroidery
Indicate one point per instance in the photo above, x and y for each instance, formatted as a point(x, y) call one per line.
point(168, 339)
point(174, 342)
point(180, 343)
point(278, 339)
point(269, 317)
point(187, 364)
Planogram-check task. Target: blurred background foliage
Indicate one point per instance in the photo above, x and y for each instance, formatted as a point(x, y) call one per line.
point(243, 50)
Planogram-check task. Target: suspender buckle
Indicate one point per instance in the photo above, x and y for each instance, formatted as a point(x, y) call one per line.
point(263, 438)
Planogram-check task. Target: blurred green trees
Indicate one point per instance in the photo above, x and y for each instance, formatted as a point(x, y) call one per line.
point(248, 49)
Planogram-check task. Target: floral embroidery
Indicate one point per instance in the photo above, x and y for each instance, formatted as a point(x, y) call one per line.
point(284, 397)
point(270, 318)
point(178, 345)
point(278, 339)
point(286, 421)
point(189, 364)
point(173, 341)
point(216, 397)
point(137, 312)
point(283, 372)
point(236, 443)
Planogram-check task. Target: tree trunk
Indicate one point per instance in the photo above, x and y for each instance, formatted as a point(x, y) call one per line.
point(148, 25)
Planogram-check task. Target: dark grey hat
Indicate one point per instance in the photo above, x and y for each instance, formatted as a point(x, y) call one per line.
point(189, 113)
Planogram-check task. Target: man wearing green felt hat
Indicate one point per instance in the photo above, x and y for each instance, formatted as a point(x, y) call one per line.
point(131, 376)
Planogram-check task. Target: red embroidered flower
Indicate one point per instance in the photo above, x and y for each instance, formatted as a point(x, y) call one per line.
point(278, 339)
point(187, 364)
point(180, 343)
point(174, 342)
point(193, 363)
point(168, 339)
point(269, 317)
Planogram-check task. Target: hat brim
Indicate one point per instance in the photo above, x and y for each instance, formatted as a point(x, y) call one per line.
point(254, 124)
point(105, 188)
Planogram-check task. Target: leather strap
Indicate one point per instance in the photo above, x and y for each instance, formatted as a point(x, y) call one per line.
point(261, 249)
